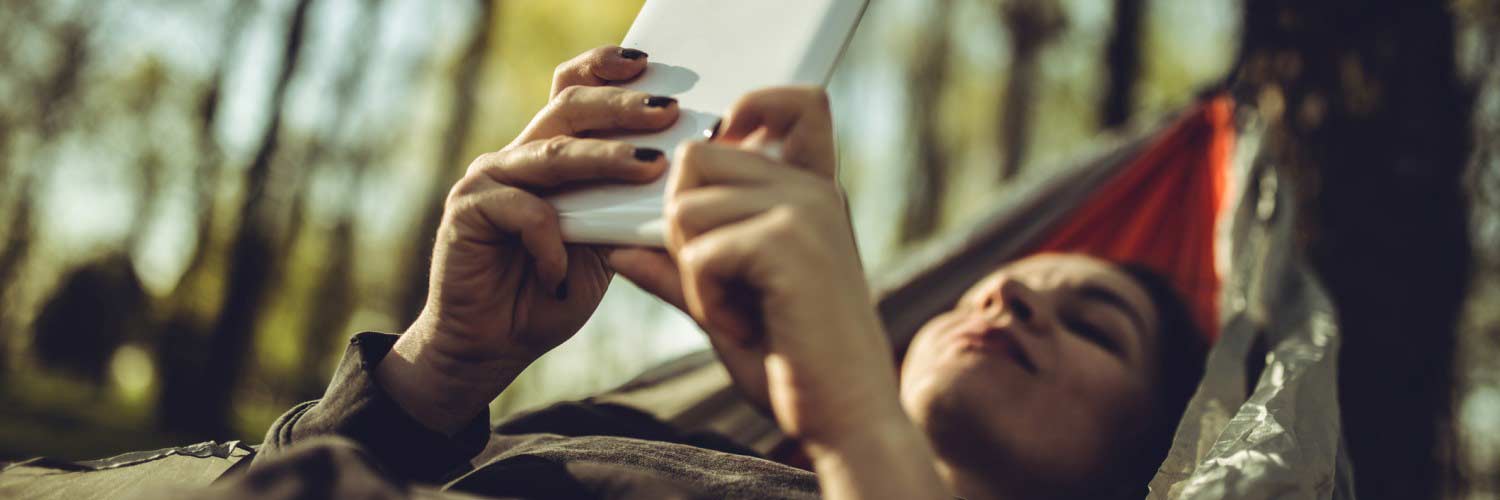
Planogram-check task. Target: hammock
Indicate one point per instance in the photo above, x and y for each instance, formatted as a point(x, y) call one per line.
point(1189, 199)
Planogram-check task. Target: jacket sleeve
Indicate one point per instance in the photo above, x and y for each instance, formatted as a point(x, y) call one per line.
point(356, 408)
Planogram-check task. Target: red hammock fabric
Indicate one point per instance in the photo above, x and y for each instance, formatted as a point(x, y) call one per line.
point(1162, 208)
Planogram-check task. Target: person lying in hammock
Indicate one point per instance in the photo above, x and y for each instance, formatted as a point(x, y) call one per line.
point(1058, 375)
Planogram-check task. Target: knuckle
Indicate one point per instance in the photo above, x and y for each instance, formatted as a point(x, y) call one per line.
point(553, 148)
point(450, 202)
point(675, 212)
point(694, 256)
point(784, 223)
point(468, 184)
point(570, 96)
point(480, 162)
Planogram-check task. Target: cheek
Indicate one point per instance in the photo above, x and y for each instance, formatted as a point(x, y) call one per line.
point(1099, 390)
point(1097, 374)
point(1081, 412)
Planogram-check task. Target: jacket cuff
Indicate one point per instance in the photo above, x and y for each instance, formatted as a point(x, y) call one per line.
point(357, 408)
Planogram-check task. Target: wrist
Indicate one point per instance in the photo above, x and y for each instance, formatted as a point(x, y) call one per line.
point(885, 459)
point(826, 403)
point(437, 388)
point(462, 359)
point(866, 431)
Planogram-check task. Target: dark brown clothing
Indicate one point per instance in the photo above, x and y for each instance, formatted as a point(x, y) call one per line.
point(570, 450)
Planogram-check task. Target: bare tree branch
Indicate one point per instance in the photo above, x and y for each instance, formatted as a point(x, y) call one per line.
point(1031, 24)
point(450, 160)
point(1124, 62)
point(200, 404)
point(928, 177)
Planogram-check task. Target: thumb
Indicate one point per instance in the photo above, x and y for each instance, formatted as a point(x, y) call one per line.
point(656, 272)
point(652, 270)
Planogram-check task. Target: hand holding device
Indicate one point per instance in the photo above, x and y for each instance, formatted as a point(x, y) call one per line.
point(504, 287)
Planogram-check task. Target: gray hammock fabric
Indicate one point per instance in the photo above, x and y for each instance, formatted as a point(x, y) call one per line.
point(1264, 423)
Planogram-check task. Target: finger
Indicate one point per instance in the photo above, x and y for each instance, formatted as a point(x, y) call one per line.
point(652, 270)
point(799, 116)
point(746, 366)
point(696, 211)
point(579, 109)
point(717, 281)
point(655, 272)
point(487, 212)
point(598, 66)
point(702, 164)
point(563, 159)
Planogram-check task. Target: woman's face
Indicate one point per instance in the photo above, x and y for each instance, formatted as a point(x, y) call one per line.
point(1041, 370)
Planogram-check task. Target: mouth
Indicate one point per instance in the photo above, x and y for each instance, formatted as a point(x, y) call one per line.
point(998, 341)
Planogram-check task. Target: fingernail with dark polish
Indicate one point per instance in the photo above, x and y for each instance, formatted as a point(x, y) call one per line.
point(632, 54)
point(713, 131)
point(648, 155)
point(657, 101)
point(562, 291)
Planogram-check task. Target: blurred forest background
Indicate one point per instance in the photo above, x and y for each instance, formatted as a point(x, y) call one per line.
point(200, 201)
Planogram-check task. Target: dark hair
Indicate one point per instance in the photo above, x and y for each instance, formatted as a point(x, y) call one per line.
point(1182, 354)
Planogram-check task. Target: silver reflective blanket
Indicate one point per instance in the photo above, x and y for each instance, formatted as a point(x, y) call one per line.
point(1265, 422)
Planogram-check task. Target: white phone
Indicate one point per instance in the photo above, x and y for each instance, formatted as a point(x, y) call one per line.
point(707, 54)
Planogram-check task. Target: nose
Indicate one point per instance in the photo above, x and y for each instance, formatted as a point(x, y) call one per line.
point(1014, 297)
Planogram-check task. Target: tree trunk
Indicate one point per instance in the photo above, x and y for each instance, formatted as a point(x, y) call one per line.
point(330, 143)
point(181, 342)
point(56, 107)
point(200, 405)
point(927, 180)
point(210, 166)
point(1124, 63)
point(450, 161)
point(1368, 117)
point(334, 292)
point(1030, 23)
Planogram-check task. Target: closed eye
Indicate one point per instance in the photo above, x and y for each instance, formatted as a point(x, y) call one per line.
point(1093, 333)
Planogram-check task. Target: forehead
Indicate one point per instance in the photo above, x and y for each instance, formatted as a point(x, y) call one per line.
point(1066, 272)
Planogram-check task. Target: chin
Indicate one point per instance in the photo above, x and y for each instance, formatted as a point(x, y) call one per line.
point(979, 413)
point(989, 384)
point(961, 411)
point(1001, 447)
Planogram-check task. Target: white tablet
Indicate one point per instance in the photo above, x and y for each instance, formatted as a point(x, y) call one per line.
point(707, 53)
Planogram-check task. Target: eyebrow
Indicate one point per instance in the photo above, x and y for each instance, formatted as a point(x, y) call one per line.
point(1109, 297)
